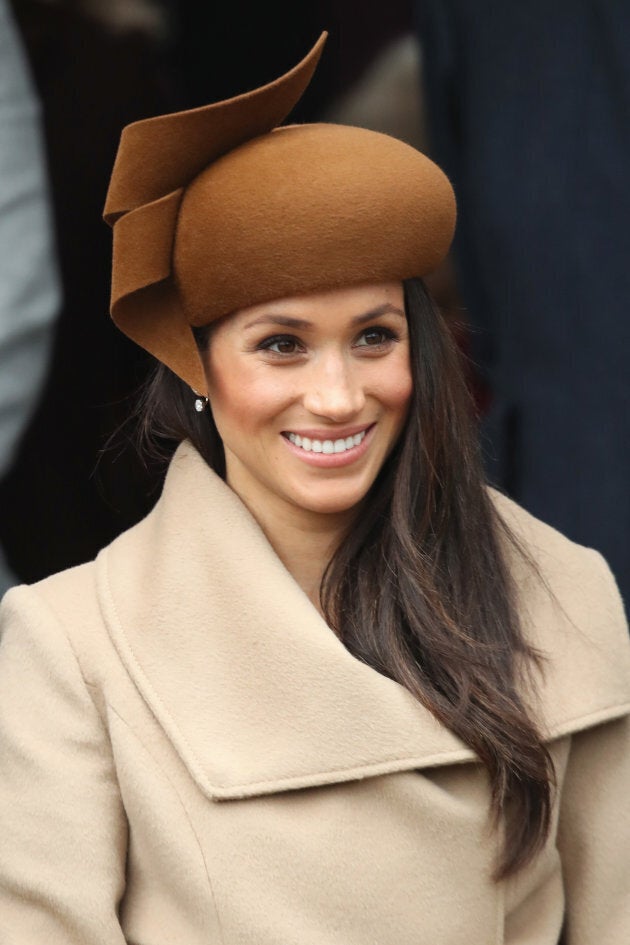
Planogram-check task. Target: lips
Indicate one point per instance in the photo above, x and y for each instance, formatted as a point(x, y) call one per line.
point(339, 433)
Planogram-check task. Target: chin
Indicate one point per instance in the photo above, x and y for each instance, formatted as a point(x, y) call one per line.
point(329, 502)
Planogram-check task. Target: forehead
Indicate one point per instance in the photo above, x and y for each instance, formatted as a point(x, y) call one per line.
point(326, 308)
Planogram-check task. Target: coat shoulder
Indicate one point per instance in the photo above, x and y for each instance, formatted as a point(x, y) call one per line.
point(549, 548)
point(66, 604)
point(63, 595)
point(573, 614)
point(565, 566)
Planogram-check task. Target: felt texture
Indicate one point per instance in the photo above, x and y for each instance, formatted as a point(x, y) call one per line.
point(221, 207)
point(304, 208)
point(190, 754)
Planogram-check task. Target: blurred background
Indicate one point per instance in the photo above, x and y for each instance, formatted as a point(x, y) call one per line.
point(525, 105)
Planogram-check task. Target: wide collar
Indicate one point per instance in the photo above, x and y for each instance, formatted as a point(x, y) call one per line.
point(251, 686)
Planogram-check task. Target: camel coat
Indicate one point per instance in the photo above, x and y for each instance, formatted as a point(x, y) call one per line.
point(189, 756)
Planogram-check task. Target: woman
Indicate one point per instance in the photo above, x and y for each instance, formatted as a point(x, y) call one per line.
point(332, 689)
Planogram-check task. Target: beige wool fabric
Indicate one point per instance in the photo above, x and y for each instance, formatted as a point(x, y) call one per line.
point(190, 755)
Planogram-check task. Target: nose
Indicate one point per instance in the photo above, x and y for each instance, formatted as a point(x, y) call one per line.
point(334, 390)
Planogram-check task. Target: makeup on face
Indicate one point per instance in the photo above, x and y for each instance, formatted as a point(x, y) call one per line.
point(310, 394)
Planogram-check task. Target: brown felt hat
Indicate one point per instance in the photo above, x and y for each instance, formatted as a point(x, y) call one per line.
point(218, 208)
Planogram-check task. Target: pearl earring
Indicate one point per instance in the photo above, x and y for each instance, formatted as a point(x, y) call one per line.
point(200, 402)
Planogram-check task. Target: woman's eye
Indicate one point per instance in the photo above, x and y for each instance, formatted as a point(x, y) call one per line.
point(375, 337)
point(281, 344)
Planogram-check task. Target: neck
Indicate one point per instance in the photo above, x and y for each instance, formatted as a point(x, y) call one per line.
point(304, 541)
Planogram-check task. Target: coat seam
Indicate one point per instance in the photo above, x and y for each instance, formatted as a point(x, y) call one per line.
point(89, 686)
point(198, 767)
point(169, 780)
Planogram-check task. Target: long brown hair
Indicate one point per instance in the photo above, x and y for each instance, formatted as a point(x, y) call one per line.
point(420, 588)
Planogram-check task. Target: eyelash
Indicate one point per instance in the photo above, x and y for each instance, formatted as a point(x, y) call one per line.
point(266, 344)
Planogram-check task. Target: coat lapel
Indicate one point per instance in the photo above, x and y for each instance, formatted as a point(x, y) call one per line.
point(258, 695)
point(252, 687)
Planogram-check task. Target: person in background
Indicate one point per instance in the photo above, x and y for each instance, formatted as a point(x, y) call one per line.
point(96, 66)
point(528, 111)
point(29, 280)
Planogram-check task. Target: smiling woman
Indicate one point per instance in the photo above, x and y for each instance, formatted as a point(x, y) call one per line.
point(285, 404)
point(410, 698)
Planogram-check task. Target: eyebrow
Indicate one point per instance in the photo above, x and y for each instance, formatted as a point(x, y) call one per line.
point(302, 324)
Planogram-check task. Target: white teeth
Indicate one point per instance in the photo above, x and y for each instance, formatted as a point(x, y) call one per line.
point(326, 446)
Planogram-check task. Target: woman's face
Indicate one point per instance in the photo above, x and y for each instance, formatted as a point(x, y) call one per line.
point(310, 393)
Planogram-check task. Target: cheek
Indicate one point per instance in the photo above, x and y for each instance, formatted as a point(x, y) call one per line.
point(394, 390)
point(242, 399)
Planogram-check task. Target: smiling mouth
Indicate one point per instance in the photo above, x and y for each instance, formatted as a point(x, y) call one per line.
point(341, 445)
